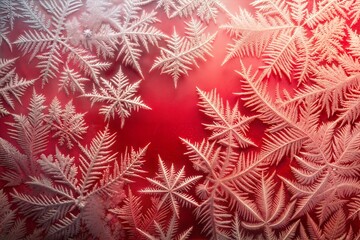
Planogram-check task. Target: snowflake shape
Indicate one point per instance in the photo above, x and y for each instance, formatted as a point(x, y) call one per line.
point(229, 126)
point(182, 52)
point(118, 94)
point(172, 187)
point(49, 43)
point(68, 124)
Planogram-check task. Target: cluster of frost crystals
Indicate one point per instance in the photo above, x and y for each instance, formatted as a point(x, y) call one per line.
point(276, 164)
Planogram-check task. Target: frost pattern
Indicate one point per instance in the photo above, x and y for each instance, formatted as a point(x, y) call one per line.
point(11, 85)
point(278, 163)
point(172, 185)
point(182, 52)
point(47, 41)
point(118, 94)
point(64, 209)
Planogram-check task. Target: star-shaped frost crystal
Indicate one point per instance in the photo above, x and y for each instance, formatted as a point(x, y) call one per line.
point(172, 187)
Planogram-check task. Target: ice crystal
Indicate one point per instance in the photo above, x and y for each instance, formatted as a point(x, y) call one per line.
point(278, 160)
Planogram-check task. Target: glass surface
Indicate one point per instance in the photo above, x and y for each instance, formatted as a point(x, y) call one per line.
point(188, 119)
